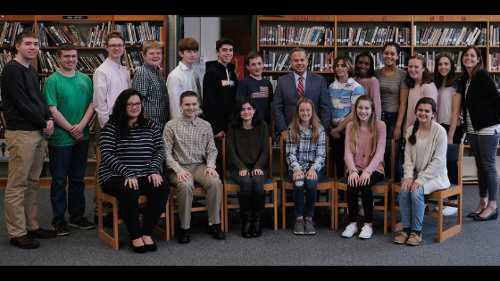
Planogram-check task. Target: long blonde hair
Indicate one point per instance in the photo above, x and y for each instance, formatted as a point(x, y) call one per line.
point(372, 127)
point(315, 122)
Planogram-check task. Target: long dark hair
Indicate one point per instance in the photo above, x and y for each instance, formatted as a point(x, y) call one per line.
point(451, 77)
point(120, 117)
point(236, 120)
point(425, 100)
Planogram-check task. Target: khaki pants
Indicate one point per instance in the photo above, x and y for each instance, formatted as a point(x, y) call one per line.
point(213, 187)
point(26, 155)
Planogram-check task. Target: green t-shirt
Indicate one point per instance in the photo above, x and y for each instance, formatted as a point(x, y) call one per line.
point(71, 96)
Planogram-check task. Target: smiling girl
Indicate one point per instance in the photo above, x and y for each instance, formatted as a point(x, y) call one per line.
point(365, 76)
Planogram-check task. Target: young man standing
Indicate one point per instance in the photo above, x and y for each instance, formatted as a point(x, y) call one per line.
point(109, 80)
point(69, 96)
point(190, 155)
point(29, 121)
point(150, 82)
point(184, 77)
point(257, 88)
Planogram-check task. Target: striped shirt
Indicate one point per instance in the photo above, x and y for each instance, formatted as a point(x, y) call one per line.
point(342, 97)
point(139, 156)
point(307, 155)
point(488, 131)
point(149, 81)
point(189, 142)
point(389, 89)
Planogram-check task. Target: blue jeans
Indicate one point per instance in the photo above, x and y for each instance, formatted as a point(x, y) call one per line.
point(412, 208)
point(68, 163)
point(390, 119)
point(309, 186)
point(484, 149)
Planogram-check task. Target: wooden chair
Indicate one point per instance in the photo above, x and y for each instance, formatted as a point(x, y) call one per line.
point(454, 153)
point(199, 194)
point(327, 184)
point(113, 240)
point(380, 190)
point(230, 185)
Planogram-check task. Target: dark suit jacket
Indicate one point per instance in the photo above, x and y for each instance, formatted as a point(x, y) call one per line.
point(286, 97)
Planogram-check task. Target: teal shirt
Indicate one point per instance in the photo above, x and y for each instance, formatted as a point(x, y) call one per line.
point(71, 96)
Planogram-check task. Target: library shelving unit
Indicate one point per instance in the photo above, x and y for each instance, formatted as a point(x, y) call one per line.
point(93, 50)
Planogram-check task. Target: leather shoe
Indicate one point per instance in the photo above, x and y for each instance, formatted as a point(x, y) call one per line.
point(138, 249)
point(24, 242)
point(184, 236)
point(42, 233)
point(216, 232)
point(472, 215)
point(492, 216)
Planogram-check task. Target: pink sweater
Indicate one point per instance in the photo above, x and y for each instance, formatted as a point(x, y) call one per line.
point(362, 160)
point(372, 89)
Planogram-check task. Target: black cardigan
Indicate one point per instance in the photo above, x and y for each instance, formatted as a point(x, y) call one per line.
point(482, 100)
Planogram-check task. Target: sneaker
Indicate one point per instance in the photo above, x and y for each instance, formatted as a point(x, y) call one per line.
point(448, 210)
point(414, 239)
point(82, 223)
point(349, 231)
point(61, 228)
point(366, 232)
point(401, 238)
point(309, 227)
point(299, 227)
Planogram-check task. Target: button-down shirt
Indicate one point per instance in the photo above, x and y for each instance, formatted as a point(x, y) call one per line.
point(179, 80)
point(188, 142)
point(149, 81)
point(109, 80)
point(307, 155)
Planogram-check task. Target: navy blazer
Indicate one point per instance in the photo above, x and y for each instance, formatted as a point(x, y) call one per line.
point(286, 97)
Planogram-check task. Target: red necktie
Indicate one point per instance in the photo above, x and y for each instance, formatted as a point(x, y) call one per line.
point(300, 87)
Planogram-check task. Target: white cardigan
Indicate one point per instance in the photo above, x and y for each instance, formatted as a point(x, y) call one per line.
point(434, 175)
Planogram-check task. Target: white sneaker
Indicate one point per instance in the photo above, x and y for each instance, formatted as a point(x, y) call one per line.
point(448, 210)
point(366, 232)
point(349, 231)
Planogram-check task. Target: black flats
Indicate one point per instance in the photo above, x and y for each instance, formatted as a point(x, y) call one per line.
point(144, 248)
point(472, 215)
point(492, 216)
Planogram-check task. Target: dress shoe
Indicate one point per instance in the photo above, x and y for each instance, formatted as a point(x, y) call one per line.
point(138, 249)
point(216, 232)
point(42, 233)
point(24, 242)
point(184, 236)
point(492, 216)
point(151, 247)
point(472, 215)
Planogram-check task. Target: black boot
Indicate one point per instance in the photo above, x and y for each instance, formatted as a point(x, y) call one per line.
point(245, 215)
point(258, 210)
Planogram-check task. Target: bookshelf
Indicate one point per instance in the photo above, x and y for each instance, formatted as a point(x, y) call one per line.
point(91, 53)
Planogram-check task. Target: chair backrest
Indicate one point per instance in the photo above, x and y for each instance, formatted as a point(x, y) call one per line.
point(455, 153)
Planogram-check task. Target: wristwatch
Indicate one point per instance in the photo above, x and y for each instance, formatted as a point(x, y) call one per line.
point(352, 171)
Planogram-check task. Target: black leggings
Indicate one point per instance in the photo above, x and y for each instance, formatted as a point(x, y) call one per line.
point(366, 197)
point(128, 199)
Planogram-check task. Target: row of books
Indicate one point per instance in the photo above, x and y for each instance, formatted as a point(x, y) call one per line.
point(494, 61)
point(10, 30)
point(301, 36)
point(494, 36)
point(430, 58)
point(137, 34)
point(373, 36)
point(5, 57)
point(132, 60)
point(460, 36)
point(96, 35)
point(317, 61)
point(86, 64)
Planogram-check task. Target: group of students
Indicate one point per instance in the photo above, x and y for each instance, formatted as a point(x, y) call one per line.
point(147, 121)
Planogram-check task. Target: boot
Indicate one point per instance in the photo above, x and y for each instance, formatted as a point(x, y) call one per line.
point(245, 215)
point(258, 210)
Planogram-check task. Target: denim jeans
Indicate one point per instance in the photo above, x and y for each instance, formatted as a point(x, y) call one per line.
point(484, 149)
point(68, 163)
point(310, 188)
point(390, 119)
point(412, 208)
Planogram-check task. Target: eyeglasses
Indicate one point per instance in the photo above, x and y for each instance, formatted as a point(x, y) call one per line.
point(132, 105)
point(116, 46)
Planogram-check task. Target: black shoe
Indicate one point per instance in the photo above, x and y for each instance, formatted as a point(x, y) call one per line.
point(42, 233)
point(82, 223)
point(151, 247)
point(216, 232)
point(61, 228)
point(492, 216)
point(138, 249)
point(184, 236)
point(472, 215)
point(24, 242)
point(107, 220)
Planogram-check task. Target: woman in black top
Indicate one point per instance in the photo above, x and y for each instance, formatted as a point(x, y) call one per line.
point(132, 154)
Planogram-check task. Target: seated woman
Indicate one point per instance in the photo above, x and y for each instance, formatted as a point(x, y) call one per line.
point(364, 158)
point(132, 153)
point(248, 151)
point(424, 169)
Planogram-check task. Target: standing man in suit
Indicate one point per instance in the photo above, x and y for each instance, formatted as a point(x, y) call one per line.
point(289, 89)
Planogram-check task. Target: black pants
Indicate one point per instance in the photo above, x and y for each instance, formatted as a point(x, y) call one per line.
point(128, 199)
point(337, 151)
point(366, 197)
